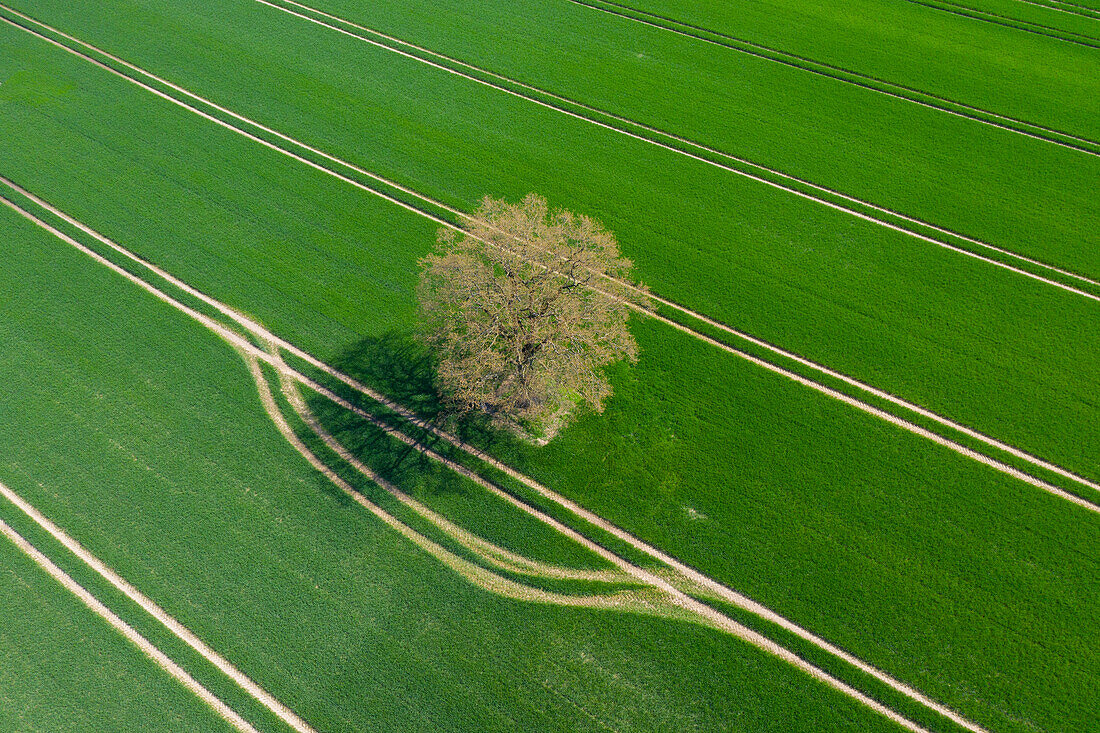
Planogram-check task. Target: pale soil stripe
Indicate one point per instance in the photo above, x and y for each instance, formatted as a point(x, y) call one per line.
point(1004, 21)
point(684, 141)
point(693, 576)
point(146, 647)
point(943, 421)
point(912, 407)
point(779, 370)
point(1077, 7)
point(796, 60)
point(1000, 18)
point(408, 414)
point(653, 130)
point(181, 632)
point(475, 574)
point(793, 64)
point(727, 329)
point(488, 551)
point(313, 361)
point(895, 400)
point(465, 216)
point(722, 591)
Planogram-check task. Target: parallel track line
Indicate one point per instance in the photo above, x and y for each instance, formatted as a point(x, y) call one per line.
point(1023, 455)
point(1002, 21)
point(144, 645)
point(450, 225)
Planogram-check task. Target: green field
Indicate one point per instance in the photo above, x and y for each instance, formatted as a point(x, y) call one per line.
point(143, 435)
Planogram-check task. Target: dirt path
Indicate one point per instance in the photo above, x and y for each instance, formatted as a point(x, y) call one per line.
point(1060, 10)
point(952, 445)
point(483, 578)
point(833, 72)
point(789, 60)
point(694, 576)
point(143, 644)
point(1027, 26)
point(687, 576)
point(489, 552)
point(170, 623)
point(1023, 455)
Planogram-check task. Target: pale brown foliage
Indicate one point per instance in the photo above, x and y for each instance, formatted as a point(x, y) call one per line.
point(513, 310)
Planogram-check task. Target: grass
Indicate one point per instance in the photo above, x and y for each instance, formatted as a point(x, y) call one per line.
point(973, 587)
point(953, 172)
point(763, 525)
point(1028, 195)
point(866, 301)
point(1006, 20)
point(150, 448)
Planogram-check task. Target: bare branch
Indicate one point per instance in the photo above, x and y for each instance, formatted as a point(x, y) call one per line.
point(519, 331)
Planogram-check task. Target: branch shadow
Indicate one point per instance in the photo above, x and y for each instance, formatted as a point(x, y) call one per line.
point(402, 368)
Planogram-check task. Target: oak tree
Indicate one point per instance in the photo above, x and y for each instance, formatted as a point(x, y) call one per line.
point(524, 309)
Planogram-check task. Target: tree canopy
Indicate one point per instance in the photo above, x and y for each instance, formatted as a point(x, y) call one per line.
point(524, 309)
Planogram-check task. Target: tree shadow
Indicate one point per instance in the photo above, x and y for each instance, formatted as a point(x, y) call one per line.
point(402, 368)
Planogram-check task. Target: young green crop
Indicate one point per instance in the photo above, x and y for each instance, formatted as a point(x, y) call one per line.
point(855, 516)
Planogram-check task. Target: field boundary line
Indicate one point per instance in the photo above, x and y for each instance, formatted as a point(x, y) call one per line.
point(256, 354)
point(146, 647)
point(697, 146)
point(920, 431)
point(944, 421)
point(1004, 21)
point(1023, 455)
point(834, 72)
